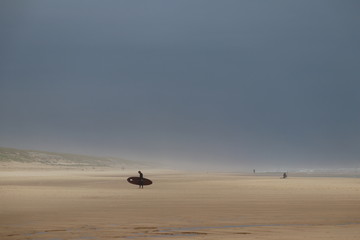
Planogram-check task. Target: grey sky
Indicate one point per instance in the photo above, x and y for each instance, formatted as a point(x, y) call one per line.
point(242, 84)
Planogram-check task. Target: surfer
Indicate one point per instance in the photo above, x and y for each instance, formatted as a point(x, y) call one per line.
point(141, 176)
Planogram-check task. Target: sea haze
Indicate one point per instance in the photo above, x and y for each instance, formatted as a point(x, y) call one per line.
point(227, 85)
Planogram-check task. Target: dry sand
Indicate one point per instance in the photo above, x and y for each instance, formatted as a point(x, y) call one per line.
point(59, 205)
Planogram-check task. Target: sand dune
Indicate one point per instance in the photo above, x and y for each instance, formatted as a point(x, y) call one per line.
point(102, 205)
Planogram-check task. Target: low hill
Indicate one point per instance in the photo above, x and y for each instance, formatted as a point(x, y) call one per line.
point(19, 156)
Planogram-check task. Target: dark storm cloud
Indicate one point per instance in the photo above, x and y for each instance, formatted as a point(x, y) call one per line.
point(238, 83)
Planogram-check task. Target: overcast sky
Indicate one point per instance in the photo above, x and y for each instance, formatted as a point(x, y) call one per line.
point(237, 84)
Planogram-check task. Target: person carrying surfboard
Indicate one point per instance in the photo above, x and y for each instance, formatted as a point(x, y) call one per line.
point(141, 176)
point(139, 181)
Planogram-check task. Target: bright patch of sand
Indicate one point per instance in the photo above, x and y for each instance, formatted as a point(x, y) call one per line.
point(102, 205)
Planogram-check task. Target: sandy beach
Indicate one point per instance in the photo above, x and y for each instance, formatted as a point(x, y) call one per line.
point(61, 205)
point(213, 101)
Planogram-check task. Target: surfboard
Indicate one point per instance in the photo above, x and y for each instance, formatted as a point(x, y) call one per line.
point(136, 181)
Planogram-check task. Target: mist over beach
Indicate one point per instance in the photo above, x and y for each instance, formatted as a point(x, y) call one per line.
point(233, 84)
point(243, 114)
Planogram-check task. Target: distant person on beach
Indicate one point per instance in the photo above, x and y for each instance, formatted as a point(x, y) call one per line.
point(254, 171)
point(141, 176)
point(284, 175)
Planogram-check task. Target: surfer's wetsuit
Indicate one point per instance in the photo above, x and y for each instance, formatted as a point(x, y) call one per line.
point(141, 185)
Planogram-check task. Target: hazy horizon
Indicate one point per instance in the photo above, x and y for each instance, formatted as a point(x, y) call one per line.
point(227, 85)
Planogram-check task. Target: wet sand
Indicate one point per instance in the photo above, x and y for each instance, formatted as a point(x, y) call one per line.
point(61, 205)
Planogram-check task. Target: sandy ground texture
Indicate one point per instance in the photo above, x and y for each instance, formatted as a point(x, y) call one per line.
point(61, 205)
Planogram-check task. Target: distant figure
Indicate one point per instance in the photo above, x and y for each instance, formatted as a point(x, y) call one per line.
point(254, 171)
point(141, 176)
point(284, 175)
